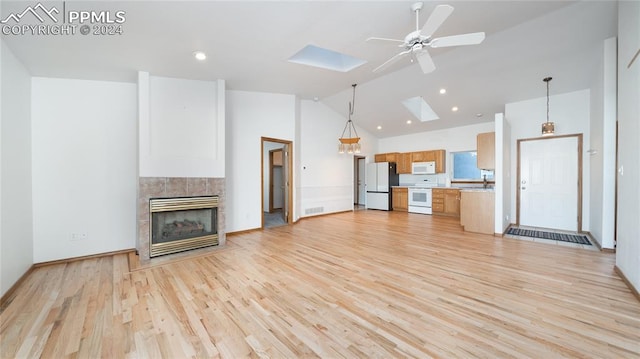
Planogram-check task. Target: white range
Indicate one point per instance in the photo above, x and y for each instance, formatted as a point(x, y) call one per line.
point(420, 197)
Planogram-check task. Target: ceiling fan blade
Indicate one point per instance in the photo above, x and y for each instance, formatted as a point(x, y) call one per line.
point(384, 39)
point(391, 61)
point(458, 40)
point(437, 17)
point(425, 61)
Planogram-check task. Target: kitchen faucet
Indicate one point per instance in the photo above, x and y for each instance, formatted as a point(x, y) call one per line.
point(484, 181)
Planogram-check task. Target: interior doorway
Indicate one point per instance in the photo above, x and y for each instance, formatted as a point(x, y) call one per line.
point(549, 193)
point(359, 192)
point(276, 182)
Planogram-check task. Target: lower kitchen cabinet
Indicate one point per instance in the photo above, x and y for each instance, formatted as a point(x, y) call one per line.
point(477, 213)
point(400, 199)
point(445, 201)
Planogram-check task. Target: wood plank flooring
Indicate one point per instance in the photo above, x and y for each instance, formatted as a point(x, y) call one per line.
point(355, 284)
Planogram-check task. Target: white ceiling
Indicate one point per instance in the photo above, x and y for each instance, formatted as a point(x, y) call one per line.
point(248, 43)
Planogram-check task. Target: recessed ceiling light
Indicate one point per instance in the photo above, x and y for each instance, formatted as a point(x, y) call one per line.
point(443, 91)
point(454, 108)
point(408, 122)
point(479, 115)
point(199, 55)
point(379, 127)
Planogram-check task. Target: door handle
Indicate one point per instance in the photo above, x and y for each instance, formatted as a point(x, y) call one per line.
point(524, 188)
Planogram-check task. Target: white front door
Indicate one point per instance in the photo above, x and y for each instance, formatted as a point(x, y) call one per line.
point(549, 183)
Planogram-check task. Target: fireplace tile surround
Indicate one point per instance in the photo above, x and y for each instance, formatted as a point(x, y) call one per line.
point(167, 187)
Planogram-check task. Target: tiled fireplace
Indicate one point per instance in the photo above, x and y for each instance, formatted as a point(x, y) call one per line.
point(183, 191)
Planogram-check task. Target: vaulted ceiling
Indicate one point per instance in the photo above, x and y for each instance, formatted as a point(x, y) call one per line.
point(248, 44)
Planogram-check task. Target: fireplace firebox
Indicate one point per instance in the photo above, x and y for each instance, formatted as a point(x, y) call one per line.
point(182, 223)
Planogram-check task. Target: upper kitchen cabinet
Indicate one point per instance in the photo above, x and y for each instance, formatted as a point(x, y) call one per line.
point(422, 156)
point(486, 150)
point(386, 157)
point(441, 160)
point(403, 161)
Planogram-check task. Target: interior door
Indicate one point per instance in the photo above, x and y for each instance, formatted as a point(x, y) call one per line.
point(286, 182)
point(361, 188)
point(278, 188)
point(549, 186)
point(276, 184)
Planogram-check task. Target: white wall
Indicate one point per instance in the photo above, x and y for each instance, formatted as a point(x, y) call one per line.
point(84, 167)
point(181, 127)
point(602, 148)
point(250, 116)
point(628, 245)
point(452, 140)
point(16, 220)
point(327, 176)
point(571, 114)
point(502, 174)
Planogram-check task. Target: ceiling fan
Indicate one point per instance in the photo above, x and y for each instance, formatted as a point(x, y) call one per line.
point(416, 42)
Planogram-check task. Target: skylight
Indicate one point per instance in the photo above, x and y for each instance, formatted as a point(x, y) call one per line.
point(420, 109)
point(326, 59)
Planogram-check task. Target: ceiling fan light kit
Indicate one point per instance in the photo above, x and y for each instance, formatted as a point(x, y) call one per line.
point(415, 44)
point(548, 128)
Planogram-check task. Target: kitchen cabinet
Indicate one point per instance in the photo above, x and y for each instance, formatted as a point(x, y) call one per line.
point(445, 201)
point(485, 147)
point(477, 211)
point(422, 156)
point(403, 161)
point(400, 198)
point(386, 157)
point(440, 158)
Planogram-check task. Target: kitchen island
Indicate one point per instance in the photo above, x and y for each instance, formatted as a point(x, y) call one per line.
point(477, 213)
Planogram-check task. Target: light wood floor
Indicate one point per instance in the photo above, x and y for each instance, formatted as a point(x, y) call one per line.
point(357, 284)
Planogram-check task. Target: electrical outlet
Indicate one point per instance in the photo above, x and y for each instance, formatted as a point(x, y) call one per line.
point(79, 236)
point(506, 218)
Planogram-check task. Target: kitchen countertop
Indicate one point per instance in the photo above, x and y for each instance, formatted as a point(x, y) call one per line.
point(420, 187)
point(466, 189)
point(469, 189)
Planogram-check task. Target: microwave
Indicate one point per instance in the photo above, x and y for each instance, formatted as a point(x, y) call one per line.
point(423, 168)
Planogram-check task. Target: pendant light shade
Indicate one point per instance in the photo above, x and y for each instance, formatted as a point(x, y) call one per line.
point(350, 144)
point(548, 128)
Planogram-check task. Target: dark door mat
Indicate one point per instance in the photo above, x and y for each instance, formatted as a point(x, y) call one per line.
point(571, 238)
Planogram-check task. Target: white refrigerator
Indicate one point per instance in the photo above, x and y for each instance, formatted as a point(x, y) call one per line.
point(380, 177)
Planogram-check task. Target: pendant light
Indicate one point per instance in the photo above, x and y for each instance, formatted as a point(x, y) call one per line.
point(548, 128)
point(350, 144)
